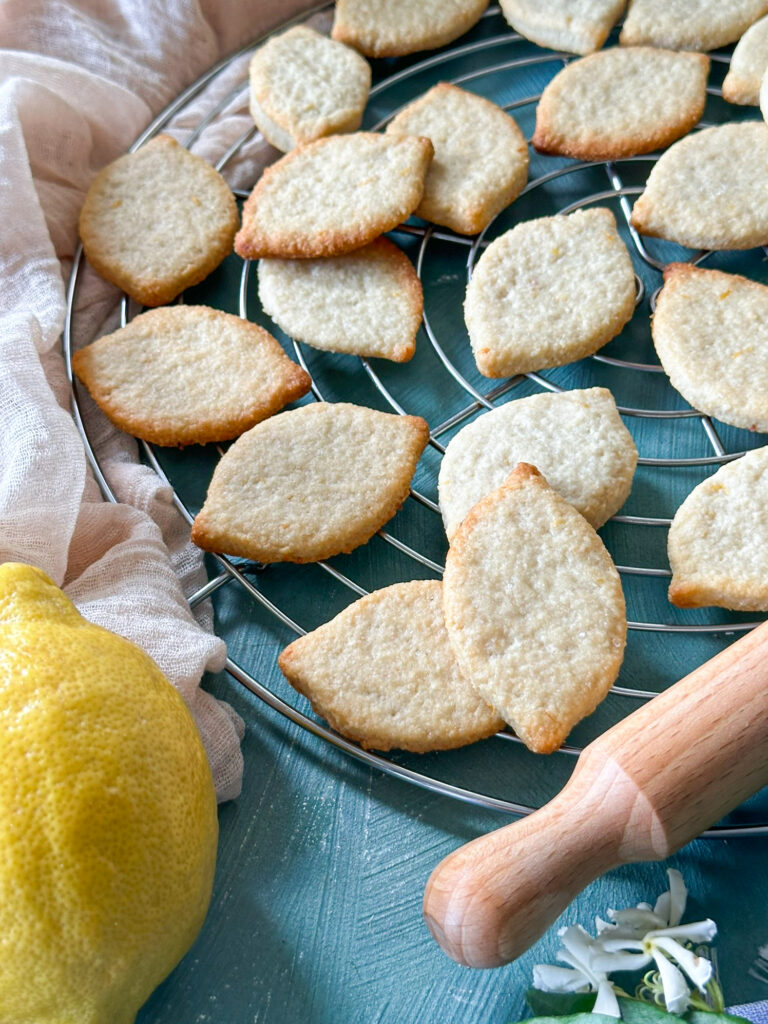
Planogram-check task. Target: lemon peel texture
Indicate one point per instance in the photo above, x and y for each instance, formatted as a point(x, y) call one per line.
point(108, 825)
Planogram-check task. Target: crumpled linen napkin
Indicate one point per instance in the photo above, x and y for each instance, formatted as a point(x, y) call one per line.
point(79, 80)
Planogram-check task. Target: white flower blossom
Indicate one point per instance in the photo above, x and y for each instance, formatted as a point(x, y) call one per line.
point(580, 952)
point(642, 936)
point(632, 940)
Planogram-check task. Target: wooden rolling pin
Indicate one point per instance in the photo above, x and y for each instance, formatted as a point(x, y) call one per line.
point(639, 792)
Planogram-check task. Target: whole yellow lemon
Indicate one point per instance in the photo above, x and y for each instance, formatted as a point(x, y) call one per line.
point(108, 823)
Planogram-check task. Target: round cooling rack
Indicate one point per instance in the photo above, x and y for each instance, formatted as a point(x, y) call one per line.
point(259, 609)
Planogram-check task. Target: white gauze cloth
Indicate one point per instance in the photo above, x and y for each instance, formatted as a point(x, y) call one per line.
point(79, 80)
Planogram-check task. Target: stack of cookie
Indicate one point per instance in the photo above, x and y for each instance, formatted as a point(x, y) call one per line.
point(528, 627)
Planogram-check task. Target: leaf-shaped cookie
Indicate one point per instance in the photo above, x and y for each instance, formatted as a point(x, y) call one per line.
point(367, 303)
point(748, 65)
point(481, 156)
point(710, 330)
point(157, 221)
point(548, 292)
point(305, 86)
point(578, 26)
point(710, 190)
point(334, 195)
point(310, 483)
point(383, 673)
point(718, 541)
point(689, 24)
point(655, 97)
point(403, 26)
point(534, 609)
point(189, 375)
point(575, 438)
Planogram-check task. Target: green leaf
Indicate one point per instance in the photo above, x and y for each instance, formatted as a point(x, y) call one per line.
point(637, 1011)
point(704, 1017)
point(573, 1008)
point(558, 1004)
point(574, 1018)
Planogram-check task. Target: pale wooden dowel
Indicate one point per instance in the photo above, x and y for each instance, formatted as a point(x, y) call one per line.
point(639, 792)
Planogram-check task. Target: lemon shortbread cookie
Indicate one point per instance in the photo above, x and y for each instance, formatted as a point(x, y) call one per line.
point(578, 26)
point(655, 97)
point(748, 65)
point(710, 330)
point(763, 97)
point(689, 24)
point(481, 157)
point(310, 483)
point(334, 195)
point(718, 541)
point(383, 673)
point(189, 375)
point(304, 86)
point(575, 438)
point(548, 292)
point(391, 28)
point(710, 190)
point(157, 221)
point(368, 303)
point(534, 609)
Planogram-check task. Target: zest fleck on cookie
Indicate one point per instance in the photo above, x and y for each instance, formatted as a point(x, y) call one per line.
point(383, 673)
point(157, 221)
point(189, 375)
point(310, 483)
point(534, 609)
point(481, 157)
point(334, 195)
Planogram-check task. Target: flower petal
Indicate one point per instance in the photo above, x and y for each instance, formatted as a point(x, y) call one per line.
point(579, 943)
point(662, 906)
point(698, 968)
point(549, 978)
point(613, 944)
point(695, 931)
point(606, 1001)
point(678, 897)
point(636, 920)
point(621, 961)
point(676, 992)
point(584, 969)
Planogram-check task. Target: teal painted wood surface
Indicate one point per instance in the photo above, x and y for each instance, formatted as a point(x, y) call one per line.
point(316, 914)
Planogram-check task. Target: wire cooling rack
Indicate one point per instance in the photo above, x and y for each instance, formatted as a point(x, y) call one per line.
point(261, 608)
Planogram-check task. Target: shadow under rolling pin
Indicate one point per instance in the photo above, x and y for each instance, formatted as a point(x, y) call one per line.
point(638, 792)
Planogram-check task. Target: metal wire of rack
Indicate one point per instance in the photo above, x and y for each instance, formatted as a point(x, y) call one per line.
point(477, 400)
